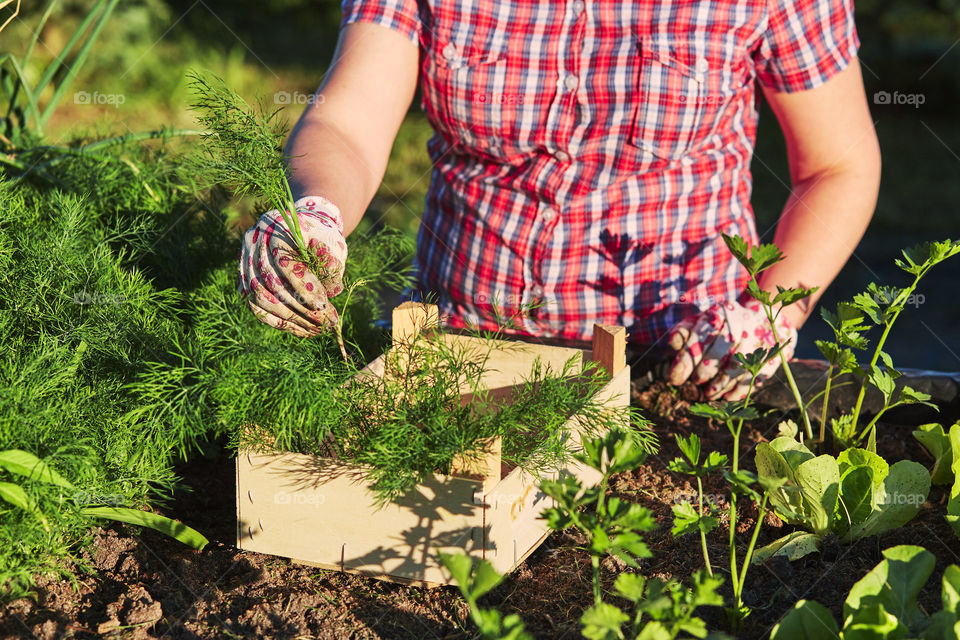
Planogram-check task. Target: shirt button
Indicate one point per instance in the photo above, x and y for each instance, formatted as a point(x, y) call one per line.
point(571, 82)
point(549, 215)
point(702, 65)
point(578, 7)
point(536, 291)
point(562, 156)
point(450, 51)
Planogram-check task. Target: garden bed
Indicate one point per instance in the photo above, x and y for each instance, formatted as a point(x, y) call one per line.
point(150, 586)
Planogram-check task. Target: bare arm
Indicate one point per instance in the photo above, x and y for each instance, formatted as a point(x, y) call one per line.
point(835, 175)
point(341, 144)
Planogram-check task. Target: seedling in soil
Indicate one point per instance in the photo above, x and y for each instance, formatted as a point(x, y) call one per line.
point(660, 609)
point(757, 260)
point(883, 604)
point(740, 481)
point(685, 519)
point(855, 495)
point(876, 307)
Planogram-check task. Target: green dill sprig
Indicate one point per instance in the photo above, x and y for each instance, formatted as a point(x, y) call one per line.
point(244, 150)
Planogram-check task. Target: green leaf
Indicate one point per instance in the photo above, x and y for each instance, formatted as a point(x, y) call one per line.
point(176, 530)
point(792, 546)
point(909, 395)
point(873, 622)
point(937, 442)
point(807, 620)
point(905, 489)
point(790, 296)
point(459, 566)
point(764, 256)
point(868, 304)
point(685, 519)
point(30, 466)
point(787, 445)
point(788, 429)
point(759, 294)
point(951, 591)
point(754, 362)
point(655, 630)
point(883, 381)
point(771, 464)
point(705, 590)
point(703, 410)
point(855, 502)
point(819, 480)
point(689, 447)
point(894, 583)
point(953, 500)
point(603, 621)
point(855, 457)
point(15, 495)
point(829, 350)
point(485, 578)
point(739, 248)
point(740, 483)
point(630, 586)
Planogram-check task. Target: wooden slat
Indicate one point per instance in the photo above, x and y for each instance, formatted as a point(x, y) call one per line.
point(610, 348)
point(412, 317)
point(484, 465)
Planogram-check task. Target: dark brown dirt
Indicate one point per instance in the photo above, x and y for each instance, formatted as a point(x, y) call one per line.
point(152, 587)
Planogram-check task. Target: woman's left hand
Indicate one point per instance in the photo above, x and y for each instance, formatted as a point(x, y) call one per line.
point(705, 344)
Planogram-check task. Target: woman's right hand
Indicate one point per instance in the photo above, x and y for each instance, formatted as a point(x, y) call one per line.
point(277, 284)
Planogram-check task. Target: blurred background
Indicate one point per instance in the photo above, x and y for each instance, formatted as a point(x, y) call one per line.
point(133, 79)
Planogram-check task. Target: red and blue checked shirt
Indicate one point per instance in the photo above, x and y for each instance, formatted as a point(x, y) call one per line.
point(588, 154)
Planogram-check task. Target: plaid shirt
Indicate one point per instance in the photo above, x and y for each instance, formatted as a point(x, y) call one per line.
point(589, 153)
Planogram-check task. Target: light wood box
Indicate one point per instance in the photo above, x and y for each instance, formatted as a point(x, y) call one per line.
point(320, 512)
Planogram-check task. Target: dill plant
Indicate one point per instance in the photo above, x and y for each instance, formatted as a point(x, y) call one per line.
point(413, 421)
point(244, 147)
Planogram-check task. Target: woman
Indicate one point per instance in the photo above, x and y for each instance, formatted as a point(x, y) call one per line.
point(587, 157)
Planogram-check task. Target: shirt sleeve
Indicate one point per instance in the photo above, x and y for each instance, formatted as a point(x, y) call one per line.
point(806, 43)
point(400, 15)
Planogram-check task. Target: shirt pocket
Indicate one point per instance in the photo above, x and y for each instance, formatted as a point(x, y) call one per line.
point(470, 92)
point(474, 96)
point(672, 101)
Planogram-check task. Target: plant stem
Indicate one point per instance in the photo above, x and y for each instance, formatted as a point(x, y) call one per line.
point(791, 382)
point(876, 354)
point(703, 535)
point(734, 574)
point(823, 410)
point(738, 592)
point(595, 564)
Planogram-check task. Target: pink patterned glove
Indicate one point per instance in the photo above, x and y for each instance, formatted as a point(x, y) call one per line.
point(277, 284)
point(705, 344)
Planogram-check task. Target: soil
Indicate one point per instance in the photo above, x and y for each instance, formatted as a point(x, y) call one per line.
point(148, 586)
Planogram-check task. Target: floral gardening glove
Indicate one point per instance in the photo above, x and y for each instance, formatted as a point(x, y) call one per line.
point(277, 284)
point(705, 344)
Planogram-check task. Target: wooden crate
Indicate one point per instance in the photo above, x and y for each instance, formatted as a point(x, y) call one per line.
point(320, 512)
